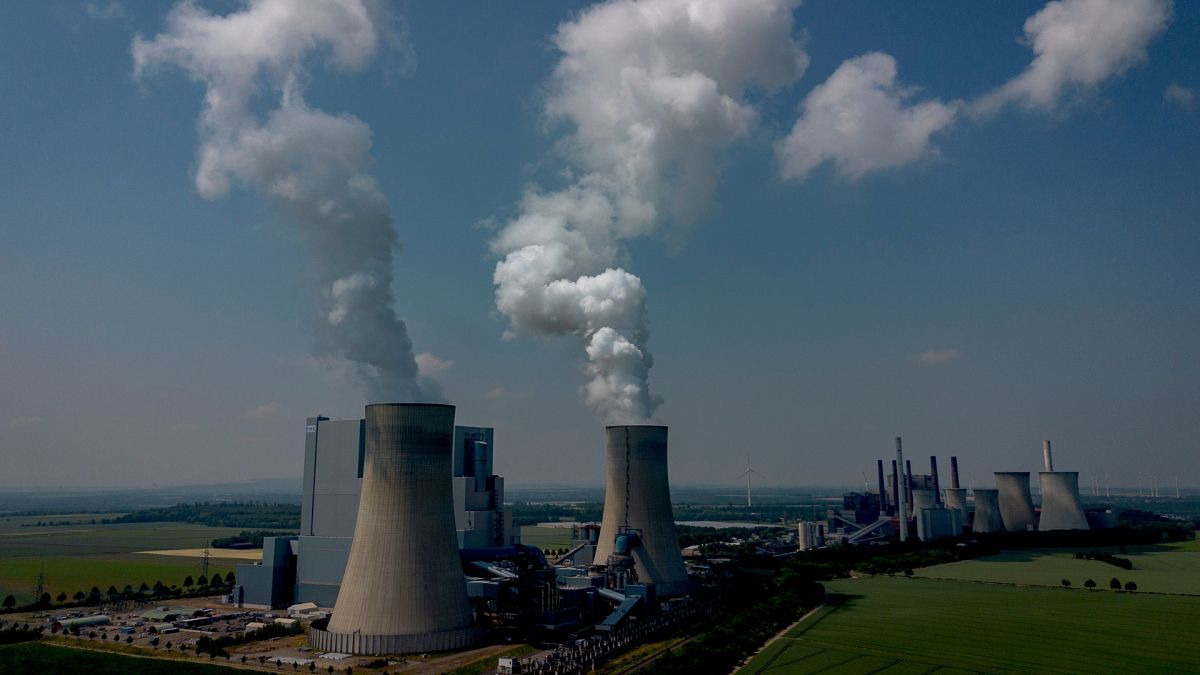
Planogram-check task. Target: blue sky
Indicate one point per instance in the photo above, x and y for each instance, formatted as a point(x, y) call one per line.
point(1029, 273)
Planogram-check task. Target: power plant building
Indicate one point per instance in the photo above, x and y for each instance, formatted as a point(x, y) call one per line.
point(309, 567)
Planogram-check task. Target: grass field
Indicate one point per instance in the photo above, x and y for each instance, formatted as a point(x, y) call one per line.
point(80, 556)
point(546, 537)
point(898, 625)
point(1170, 568)
point(33, 658)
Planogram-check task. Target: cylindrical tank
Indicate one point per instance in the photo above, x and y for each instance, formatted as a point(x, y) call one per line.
point(804, 536)
point(987, 511)
point(1016, 504)
point(403, 590)
point(923, 499)
point(637, 496)
point(956, 499)
point(1061, 507)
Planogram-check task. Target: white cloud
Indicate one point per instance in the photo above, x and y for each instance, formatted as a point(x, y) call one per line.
point(25, 422)
point(430, 364)
point(939, 357)
point(1077, 45)
point(264, 411)
point(1179, 95)
point(495, 393)
point(859, 120)
point(108, 12)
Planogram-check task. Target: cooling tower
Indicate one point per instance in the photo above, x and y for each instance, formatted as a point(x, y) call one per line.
point(1016, 504)
point(987, 511)
point(637, 497)
point(1061, 509)
point(956, 500)
point(403, 590)
point(923, 499)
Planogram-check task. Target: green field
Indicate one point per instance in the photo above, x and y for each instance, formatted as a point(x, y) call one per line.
point(897, 625)
point(77, 557)
point(1169, 568)
point(546, 537)
point(33, 658)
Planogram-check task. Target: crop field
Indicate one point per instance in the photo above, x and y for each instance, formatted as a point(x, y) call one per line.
point(897, 625)
point(546, 537)
point(1169, 568)
point(33, 658)
point(79, 556)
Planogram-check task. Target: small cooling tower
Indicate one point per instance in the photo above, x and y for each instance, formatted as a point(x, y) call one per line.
point(403, 590)
point(1016, 504)
point(1061, 508)
point(956, 500)
point(923, 499)
point(987, 511)
point(637, 497)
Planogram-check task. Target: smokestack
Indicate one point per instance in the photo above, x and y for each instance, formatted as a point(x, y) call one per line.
point(1049, 461)
point(403, 590)
point(954, 472)
point(895, 490)
point(933, 472)
point(637, 497)
point(908, 485)
point(883, 507)
point(903, 481)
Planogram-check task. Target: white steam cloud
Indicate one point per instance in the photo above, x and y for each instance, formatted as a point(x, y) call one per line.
point(1078, 44)
point(652, 91)
point(313, 163)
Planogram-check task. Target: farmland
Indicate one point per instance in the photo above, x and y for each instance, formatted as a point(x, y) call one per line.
point(80, 555)
point(898, 625)
point(34, 659)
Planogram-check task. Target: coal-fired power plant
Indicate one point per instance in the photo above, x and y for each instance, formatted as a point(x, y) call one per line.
point(987, 511)
point(638, 525)
point(1016, 504)
point(403, 590)
point(1061, 506)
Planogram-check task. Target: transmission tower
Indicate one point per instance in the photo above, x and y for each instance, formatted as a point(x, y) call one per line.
point(41, 583)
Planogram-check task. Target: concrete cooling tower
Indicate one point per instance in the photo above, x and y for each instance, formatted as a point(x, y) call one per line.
point(403, 590)
point(1016, 504)
point(637, 497)
point(923, 499)
point(956, 499)
point(1061, 508)
point(987, 511)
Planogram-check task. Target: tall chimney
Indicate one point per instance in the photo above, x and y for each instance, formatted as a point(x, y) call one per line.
point(1046, 456)
point(908, 484)
point(954, 472)
point(895, 502)
point(883, 509)
point(933, 472)
point(903, 481)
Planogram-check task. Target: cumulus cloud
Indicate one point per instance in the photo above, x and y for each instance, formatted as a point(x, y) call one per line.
point(1077, 45)
point(939, 357)
point(313, 164)
point(861, 120)
point(264, 411)
point(107, 12)
point(651, 93)
point(1178, 95)
point(25, 422)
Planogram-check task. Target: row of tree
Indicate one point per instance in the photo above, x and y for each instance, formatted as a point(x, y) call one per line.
point(95, 596)
point(1114, 584)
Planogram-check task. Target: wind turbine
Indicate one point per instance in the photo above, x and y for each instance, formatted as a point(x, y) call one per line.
point(747, 474)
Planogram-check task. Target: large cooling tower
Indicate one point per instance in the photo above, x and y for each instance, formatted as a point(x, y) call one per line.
point(403, 590)
point(987, 511)
point(923, 499)
point(1016, 504)
point(1061, 509)
point(637, 497)
point(956, 499)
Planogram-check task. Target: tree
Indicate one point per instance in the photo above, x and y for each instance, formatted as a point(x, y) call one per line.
point(112, 591)
point(1066, 583)
point(62, 597)
point(44, 600)
point(1089, 584)
point(79, 595)
point(188, 583)
point(229, 578)
point(9, 601)
point(202, 581)
point(1130, 586)
point(95, 590)
point(1115, 584)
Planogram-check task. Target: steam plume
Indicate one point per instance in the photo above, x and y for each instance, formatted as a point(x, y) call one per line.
point(653, 92)
point(312, 163)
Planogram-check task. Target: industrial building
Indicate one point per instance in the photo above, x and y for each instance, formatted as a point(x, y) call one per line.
point(309, 567)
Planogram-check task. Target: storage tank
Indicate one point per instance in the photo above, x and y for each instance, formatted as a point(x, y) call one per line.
point(1061, 507)
point(637, 496)
point(403, 590)
point(1016, 504)
point(956, 500)
point(987, 511)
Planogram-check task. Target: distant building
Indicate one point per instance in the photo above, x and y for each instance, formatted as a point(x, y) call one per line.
point(309, 567)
